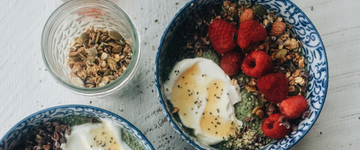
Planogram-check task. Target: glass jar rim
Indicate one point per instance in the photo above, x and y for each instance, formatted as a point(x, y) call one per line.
point(108, 88)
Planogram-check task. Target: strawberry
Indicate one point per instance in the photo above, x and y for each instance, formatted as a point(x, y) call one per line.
point(293, 107)
point(221, 35)
point(256, 64)
point(250, 31)
point(231, 62)
point(273, 128)
point(274, 86)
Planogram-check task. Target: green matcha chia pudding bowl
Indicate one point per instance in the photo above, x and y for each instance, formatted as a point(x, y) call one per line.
point(74, 127)
point(241, 74)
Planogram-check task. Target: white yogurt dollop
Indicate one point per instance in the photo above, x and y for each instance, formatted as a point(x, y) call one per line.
point(99, 136)
point(205, 98)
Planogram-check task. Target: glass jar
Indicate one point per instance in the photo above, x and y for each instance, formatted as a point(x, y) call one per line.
point(69, 21)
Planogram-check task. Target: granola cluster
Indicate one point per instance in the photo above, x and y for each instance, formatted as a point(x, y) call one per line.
point(98, 57)
point(48, 136)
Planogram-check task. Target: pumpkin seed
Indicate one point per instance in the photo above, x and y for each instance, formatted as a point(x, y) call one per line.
point(259, 10)
point(107, 72)
point(121, 42)
point(84, 37)
point(117, 49)
point(115, 35)
point(112, 64)
point(280, 54)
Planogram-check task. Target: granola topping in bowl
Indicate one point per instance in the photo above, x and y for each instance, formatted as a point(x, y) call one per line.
point(98, 57)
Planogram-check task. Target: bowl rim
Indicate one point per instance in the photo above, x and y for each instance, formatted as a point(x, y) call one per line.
point(104, 90)
point(162, 102)
point(77, 106)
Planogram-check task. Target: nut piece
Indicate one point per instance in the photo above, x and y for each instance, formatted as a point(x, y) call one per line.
point(252, 82)
point(260, 114)
point(260, 107)
point(292, 43)
point(175, 110)
point(199, 53)
point(104, 56)
point(247, 14)
point(233, 82)
point(301, 62)
point(250, 88)
point(277, 28)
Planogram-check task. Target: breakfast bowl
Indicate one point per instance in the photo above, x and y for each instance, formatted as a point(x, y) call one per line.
point(82, 120)
point(169, 66)
point(91, 33)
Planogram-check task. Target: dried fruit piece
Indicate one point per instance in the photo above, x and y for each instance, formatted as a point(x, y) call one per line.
point(277, 28)
point(247, 14)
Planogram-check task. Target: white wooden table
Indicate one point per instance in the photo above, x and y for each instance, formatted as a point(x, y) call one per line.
point(26, 85)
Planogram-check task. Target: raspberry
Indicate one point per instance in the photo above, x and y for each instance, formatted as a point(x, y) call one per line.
point(274, 86)
point(272, 127)
point(231, 62)
point(293, 107)
point(221, 35)
point(256, 64)
point(250, 31)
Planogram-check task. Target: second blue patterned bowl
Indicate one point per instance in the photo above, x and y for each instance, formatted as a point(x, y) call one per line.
point(313, 49)
point(20, 129)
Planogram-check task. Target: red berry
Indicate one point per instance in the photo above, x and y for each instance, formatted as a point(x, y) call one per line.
point(272, 128)
point(221, 35)
point(274, 86)
point(293, 107)
point(250, 31)
point(231, 62)
point(256, 64)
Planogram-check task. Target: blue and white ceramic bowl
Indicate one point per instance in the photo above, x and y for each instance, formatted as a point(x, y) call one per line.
point(313, 49)
point(20, 129)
